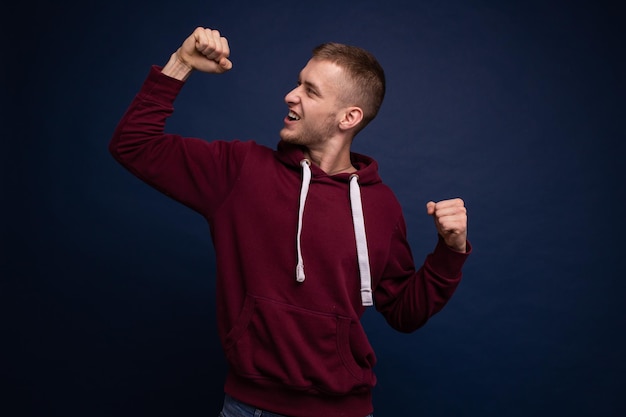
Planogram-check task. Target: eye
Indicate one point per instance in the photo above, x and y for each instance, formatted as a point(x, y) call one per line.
point(308, 89)
point(311, 91)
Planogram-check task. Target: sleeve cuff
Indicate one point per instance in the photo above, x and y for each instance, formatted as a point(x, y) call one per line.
point(160, 88)
point(446, 261)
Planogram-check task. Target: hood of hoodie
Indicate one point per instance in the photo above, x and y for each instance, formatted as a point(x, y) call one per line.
point(367, 168)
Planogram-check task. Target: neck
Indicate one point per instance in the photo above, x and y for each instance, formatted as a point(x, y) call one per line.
point(331, 163)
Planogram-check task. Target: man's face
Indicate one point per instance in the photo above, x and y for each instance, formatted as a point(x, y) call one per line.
point(314, 104)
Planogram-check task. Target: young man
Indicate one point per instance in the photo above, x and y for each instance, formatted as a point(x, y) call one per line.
point(306, 236)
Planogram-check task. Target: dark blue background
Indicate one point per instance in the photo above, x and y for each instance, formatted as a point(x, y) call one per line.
point(518, 107)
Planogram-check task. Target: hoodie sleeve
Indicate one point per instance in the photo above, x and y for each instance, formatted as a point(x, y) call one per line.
point(407, 297)
point(192, 171)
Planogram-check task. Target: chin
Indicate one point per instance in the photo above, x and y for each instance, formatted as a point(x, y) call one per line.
point(289, 138)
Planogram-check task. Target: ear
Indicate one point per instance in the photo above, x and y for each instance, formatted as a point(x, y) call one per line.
point(352, 116)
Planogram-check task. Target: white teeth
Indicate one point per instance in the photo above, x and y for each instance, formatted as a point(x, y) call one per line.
point(293, 116)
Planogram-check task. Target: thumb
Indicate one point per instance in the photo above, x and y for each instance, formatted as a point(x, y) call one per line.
point(430, 208)
point(225, 64)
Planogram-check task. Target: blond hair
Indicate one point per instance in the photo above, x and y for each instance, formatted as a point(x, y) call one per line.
point(363, 70)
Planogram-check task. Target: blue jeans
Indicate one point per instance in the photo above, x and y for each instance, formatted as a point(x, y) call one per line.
point(234, 408)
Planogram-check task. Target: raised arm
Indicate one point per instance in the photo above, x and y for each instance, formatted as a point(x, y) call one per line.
point(196, 172)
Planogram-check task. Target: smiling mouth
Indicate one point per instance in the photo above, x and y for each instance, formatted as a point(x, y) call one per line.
point(293, 116)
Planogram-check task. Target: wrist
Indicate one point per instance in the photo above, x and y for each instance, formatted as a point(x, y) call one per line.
point(456, 244)
point(177, 68)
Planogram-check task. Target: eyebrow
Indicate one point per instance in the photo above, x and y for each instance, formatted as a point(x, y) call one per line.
point(313, 86)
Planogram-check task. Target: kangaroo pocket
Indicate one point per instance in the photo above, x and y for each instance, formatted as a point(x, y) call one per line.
point(303, 349)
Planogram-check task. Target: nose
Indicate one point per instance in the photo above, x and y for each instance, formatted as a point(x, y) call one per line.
point(292, 97)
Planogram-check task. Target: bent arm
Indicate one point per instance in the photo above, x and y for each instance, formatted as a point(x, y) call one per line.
point(406, 297)
point(188, 170)
point(194, 172)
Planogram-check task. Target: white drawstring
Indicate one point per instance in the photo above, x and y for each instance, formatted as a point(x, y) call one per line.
point(359, 232)
point(361, 241)
point(306, 180)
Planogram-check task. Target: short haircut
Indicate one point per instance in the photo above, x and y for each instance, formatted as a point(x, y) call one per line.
point(365, 72)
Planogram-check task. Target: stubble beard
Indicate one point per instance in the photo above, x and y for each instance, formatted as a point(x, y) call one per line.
point(309, 137)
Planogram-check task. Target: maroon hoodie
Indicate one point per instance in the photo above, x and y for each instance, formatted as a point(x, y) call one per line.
point(294, 342)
